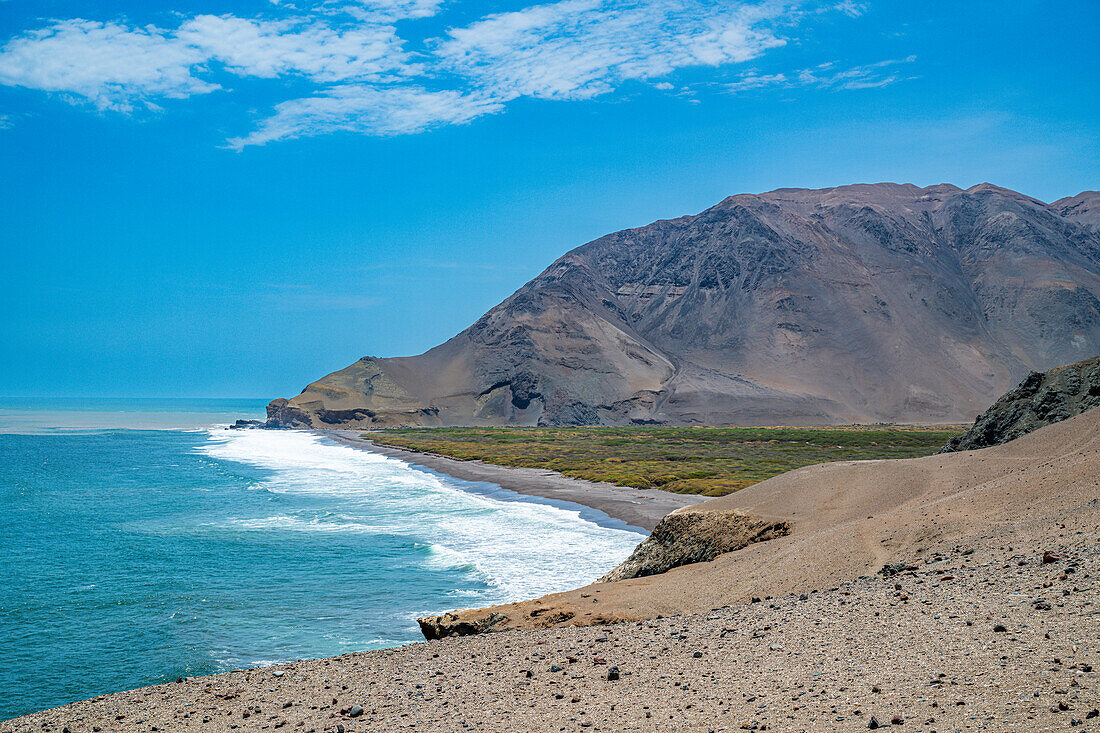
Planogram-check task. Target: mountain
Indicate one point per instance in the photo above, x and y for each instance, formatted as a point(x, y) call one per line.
point(862, 303)
point(1038, 401)
point(1084, 208)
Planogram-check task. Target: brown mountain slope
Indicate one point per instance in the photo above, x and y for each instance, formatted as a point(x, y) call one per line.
point(1084, 208)
point(862, 303)
point(851, 519)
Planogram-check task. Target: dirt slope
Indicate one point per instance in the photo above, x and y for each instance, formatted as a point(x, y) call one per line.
point(849, 520)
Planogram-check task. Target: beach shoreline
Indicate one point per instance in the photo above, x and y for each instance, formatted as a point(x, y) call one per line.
point(638, 508)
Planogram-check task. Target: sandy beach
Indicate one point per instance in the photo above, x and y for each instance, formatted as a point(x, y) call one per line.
point(641, 508)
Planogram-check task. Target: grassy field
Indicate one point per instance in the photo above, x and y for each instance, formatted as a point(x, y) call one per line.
point(708, 461)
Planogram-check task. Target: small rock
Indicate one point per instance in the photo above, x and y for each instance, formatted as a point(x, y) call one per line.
point(1000, 628)
point(356, 711)
point(1050, 556)
point(896, 720)
point(287, 704)
point(612, 674)
point(555, 668)
point(278, 673)
point(1092, 714)
point(698, 655)
point(873, 723)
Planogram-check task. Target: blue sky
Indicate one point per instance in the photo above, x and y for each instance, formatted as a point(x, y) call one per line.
point(232, 198)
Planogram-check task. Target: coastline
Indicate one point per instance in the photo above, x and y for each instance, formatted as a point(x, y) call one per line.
point(639, 508)
point(816, 662)
point(991, 556)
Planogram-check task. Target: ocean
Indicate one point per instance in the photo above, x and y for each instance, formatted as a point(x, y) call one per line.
point(141, 541)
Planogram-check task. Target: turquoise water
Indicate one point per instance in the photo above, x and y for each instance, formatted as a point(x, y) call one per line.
point(133, 556)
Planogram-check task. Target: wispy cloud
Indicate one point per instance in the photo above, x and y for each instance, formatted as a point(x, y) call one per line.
point(578, 49)
point(368, 78)
point(109, 64)
point(828, 76)
point(362, 108)
point(268, 49)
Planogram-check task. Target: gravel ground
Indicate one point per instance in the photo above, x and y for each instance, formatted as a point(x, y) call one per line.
point(993, 639)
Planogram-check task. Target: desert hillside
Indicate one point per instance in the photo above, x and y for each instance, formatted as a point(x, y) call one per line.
point(856, 304)
point(833, 523)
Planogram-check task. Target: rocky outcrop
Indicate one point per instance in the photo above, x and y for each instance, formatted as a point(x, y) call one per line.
point(452, 624)
point(862, 303)
point(686, 537)
point(1041, 399)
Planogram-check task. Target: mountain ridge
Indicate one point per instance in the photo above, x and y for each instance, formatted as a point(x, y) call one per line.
point(862, 303)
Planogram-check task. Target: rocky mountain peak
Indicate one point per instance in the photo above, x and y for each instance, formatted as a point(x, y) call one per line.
point(862, 303)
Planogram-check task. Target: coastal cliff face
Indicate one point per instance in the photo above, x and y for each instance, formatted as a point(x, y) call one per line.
point(1040, 400)
point(861, 303)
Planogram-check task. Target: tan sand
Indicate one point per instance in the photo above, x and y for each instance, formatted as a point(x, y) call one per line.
point(850, 518)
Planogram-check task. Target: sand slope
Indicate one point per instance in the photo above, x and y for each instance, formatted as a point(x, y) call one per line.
point(848, 519)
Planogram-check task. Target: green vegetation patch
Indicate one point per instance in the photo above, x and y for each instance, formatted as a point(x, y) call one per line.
point(708, 461)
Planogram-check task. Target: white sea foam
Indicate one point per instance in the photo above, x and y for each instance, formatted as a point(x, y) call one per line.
point(520, 547)
point(298, 524)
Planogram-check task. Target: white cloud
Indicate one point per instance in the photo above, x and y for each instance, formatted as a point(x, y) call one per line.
point(361, 108)
point(268, 49)
point(867, 76)
point(394, 9)
point(365, 78)
point(851, 9)
point(578, 49)
point(116, 67)
point(111, 65)
point(752, 80)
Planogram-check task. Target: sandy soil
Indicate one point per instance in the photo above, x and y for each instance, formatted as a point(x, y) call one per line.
point(637, 507)
point(850, 518)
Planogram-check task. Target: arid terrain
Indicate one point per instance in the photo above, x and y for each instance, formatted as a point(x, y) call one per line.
point(856, 304)
point(849, 519)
